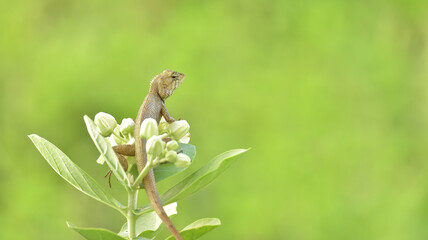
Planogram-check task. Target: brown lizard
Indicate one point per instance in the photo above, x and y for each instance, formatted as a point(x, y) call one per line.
point(161, 87)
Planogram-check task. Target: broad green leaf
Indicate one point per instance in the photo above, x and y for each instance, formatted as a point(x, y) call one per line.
point(96, 233)
point(166, 170)
point(199, 179)
point(106, 150)
point(198, 228)
point(187, 149)
point(72, 173)
point(148, 225)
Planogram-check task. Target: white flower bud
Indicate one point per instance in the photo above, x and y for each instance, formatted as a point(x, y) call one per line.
point(185, 139)
point(182, 160)
point(105, 123)
point(149, 128)
point(127, 126)
point(178, 129)
point(171, 156)
point(155, 146)
point(172, 145)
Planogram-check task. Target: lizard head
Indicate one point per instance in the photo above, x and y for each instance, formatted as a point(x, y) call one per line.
point(167, 82)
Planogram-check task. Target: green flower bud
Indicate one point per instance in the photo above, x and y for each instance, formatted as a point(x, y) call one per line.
point(178, 129)
point(105, 123)
point(182, 160)
point(127, 126)
point(172, 145)
point(119, 141)
point(155, 146)
point(171, 156)
point(149, 128)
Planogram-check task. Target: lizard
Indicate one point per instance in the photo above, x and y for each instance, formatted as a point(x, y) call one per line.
point(161, 87)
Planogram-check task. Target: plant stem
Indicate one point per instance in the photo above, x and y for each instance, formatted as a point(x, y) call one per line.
point(132, 205)
point(144, 172)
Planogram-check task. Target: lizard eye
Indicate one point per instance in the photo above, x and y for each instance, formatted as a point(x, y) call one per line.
point(173, 76)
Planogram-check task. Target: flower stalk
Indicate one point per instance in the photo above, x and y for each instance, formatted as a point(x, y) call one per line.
point(131, 217)
point(144, 172)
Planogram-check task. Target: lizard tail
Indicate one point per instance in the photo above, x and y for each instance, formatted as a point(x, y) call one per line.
point(152, 193)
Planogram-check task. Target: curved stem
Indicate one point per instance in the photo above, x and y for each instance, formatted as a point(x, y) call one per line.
point(144, 172)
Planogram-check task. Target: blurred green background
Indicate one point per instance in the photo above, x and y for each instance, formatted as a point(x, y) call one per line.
point(331, 96)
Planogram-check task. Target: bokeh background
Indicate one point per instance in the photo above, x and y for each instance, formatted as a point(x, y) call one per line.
point(331, 96)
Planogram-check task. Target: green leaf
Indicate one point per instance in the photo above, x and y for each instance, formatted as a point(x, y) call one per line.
point(72, 173)
point(106, 150)
point(96, 233)
point(197, 180)
point(166, 170)
point(198, 228)
point(201, 177)
point(187, 149)
point(148, 225)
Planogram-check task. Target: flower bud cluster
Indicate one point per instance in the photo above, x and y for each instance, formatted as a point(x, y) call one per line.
point(115, 133)
point(162, 139)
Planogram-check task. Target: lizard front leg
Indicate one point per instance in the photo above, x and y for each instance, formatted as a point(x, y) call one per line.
point(122, 161)
point(126, 149)
point(165, 114)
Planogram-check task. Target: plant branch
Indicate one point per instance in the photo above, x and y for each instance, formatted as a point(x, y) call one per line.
point(144, 172)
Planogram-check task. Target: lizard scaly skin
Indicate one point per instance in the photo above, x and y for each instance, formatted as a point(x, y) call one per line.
point(161, 87)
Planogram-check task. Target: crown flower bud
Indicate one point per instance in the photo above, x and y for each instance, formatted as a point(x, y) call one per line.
point(171, 156)
point(185, 139)
point(105, 123)
point(155, 146)
point(178, 129)
point(149, 128)
point(127, 126)
point(119, 140)
point(182, 160)
point(172, 145)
